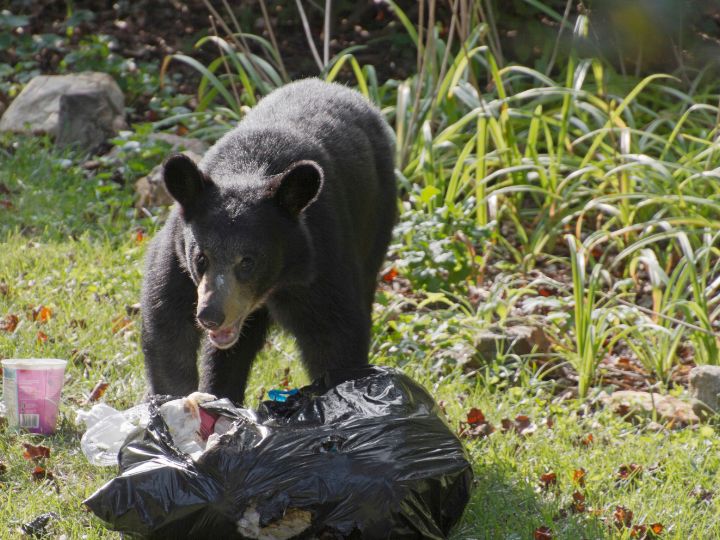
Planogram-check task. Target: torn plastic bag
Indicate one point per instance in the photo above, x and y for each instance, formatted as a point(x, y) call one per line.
point(358, 454)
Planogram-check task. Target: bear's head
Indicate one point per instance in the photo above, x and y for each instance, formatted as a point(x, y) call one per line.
point(243, 240)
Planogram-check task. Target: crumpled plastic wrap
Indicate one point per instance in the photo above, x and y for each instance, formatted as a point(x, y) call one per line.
point(357, 454)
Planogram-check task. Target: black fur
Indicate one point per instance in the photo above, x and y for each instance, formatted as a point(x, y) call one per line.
point(287, 219)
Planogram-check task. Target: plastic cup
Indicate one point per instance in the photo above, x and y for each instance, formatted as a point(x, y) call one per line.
point(31, 390)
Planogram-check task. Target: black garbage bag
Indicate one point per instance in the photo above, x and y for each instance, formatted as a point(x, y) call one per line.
point(357, 454)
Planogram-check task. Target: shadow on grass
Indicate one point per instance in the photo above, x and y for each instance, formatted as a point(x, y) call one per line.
point(506, 507)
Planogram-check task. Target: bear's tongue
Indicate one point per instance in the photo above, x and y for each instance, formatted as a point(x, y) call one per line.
point(225, 337)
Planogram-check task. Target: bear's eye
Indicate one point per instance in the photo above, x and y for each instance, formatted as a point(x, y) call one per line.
point(201, 263)
point(245, 266)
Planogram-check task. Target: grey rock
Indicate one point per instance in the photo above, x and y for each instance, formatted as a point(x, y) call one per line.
point(518, 339)
point(85, 120)
point(705, 385)
point(151, 188)
point(37, 108)
point(178, 143)
point(634, 405)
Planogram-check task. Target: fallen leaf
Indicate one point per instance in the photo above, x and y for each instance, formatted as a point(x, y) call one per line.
point(41, 314)
point(638, 531)
point(35, 452)
point(586, 440)
point(181, 130)
point(9, 323)
point(523, 426)
point(579, 476)
point(629, 472)
point(4, 288)
point(544, 291)
point(622, 516)
point(98, 391)
point(548, 479)
point(476, 425)
point(475, 416)
point(390, 275)
point(701, 494)
point(3, 468)
point(578, 505)
point(40, 473)
point(42, 337)
point(121, 323)
point(139, 236)
point(78, 323)
point(543, 533)
point(657, 528)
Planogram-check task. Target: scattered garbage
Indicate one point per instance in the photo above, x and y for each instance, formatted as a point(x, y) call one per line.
point(358, 453)
point(108, 429)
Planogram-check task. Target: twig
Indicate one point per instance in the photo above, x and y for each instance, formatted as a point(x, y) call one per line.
point(271, 33)
point(557, 40)
point(242, 44)
point(326, 33)
point(308, 35)
point(225, 64)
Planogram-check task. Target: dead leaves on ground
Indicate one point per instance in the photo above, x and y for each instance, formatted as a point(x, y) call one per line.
point(35, 453)
point(477, 426)
point(39, 454)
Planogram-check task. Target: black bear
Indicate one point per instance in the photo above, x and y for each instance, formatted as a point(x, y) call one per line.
point(286, 219)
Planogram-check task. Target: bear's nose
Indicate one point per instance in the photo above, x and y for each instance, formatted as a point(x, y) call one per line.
point(210, 318)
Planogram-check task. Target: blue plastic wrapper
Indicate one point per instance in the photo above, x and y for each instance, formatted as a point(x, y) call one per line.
point(357, 454)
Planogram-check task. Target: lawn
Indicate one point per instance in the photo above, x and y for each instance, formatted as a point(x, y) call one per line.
point(580, 210)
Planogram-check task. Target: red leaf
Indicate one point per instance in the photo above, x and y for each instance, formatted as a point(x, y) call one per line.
point(579, 477)
point(578, 505)
point(41, 314)
point(35, 452)
point(98, 391)
point(42, 337)
point(390, 275)
point(475, 416)
point(657, 528)
point(544, 291)
point(548, 479)
point(623, 516)
point(139, 236)
point(40, 473)
point(543, 533)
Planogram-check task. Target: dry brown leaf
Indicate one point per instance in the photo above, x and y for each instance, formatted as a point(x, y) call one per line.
point(9, 323)
point(35, 452)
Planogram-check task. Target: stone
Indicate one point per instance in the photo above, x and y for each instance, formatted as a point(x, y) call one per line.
point(85, 121)
point(151, 188)
point(705, 385)
point(518, 339)
point(178, 143)
point(37, 108)
point(634, 405)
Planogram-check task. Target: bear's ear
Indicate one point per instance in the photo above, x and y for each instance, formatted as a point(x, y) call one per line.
point(184, 182)
point(298, 186)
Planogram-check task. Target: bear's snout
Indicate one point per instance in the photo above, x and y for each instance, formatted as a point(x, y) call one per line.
point(210, 318)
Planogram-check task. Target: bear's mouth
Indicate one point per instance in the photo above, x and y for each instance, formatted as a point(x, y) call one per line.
point(225, 337)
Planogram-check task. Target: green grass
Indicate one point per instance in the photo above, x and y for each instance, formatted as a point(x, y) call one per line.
point(88, 273)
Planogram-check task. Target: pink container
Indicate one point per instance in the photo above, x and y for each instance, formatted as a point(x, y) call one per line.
point(31, 390)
